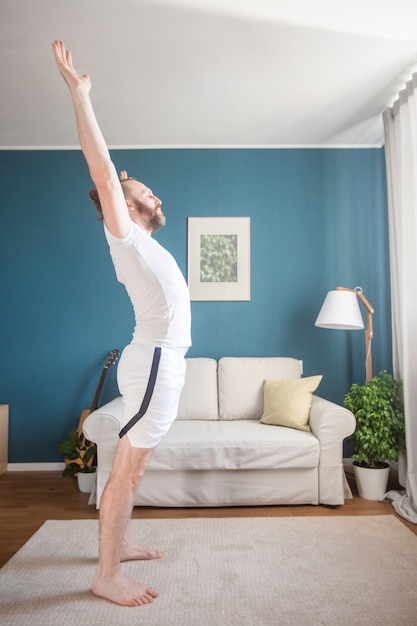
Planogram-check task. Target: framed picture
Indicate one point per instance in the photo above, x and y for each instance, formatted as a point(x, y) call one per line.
point(219, 258)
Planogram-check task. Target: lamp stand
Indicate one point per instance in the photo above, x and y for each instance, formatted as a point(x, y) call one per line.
point(369, 332)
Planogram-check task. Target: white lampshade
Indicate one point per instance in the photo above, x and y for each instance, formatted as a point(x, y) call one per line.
point(340, 310)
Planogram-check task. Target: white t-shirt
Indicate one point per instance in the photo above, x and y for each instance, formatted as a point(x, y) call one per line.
point(156, 287)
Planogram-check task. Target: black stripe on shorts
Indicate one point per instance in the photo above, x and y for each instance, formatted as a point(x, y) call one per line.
point(148, 393)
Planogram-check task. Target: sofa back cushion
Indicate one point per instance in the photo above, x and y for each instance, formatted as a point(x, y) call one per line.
point(198, 399)
point(241, 383)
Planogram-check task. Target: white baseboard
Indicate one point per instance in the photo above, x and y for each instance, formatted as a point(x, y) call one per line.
point(35, 467)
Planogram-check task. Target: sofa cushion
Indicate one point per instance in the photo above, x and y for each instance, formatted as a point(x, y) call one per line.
point(198, 398)
point(288, 402)
point(234, 445)
point(241, 382)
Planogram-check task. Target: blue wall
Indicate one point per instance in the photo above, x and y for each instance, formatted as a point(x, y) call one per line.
point(318, 219)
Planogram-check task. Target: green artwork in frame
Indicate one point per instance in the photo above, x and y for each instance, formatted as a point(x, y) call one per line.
point(219, 258)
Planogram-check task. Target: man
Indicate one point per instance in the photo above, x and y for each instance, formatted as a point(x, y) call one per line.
point(152, 367)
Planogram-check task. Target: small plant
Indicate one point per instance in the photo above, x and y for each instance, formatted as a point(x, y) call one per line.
point(379, 411)
point(78, 453)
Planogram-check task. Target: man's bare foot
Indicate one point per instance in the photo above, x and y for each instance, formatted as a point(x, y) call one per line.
point(134, 552)
point(122, 590)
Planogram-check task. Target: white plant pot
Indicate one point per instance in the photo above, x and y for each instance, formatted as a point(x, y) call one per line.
point(86, 481)
point(371, 482)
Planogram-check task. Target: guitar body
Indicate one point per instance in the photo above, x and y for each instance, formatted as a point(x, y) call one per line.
point(83, 417)
point(112, 358)
point(87, 444)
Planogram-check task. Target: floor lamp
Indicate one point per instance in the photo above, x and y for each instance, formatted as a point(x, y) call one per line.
point(341, 310)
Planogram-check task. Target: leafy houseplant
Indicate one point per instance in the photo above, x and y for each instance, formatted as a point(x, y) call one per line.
point(78, 454)
point(379, 411)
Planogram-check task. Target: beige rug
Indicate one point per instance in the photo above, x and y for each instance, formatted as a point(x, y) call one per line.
point(224, 572)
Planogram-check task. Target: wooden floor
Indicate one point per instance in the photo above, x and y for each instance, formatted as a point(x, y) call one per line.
point(28, 499)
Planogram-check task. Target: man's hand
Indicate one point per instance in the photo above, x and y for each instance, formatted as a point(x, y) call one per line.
point(63, 60)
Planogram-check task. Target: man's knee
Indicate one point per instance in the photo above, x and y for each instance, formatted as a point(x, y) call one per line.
point(130, 461)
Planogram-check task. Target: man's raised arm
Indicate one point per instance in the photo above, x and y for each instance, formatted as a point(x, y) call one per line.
point(96, 153)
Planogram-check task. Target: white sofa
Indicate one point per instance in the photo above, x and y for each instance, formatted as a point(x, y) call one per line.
point(218, 453)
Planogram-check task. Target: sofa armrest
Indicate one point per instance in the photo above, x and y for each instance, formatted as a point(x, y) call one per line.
point(104, 421)
point(331, 424)
point(103, 427)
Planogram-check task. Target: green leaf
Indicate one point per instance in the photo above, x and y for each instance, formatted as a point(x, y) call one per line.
point(89, 454)
point(71, 469)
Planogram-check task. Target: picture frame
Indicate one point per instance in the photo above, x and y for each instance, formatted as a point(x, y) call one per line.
point(219, 258)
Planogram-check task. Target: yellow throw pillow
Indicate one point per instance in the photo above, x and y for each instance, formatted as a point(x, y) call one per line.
point(288, 402)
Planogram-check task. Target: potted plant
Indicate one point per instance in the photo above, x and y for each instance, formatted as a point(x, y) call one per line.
point(380, 431)
point(79, 456)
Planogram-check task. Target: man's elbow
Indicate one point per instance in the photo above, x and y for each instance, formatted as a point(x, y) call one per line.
point(104, 176)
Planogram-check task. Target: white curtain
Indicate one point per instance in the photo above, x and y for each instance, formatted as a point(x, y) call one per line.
point(400, 124)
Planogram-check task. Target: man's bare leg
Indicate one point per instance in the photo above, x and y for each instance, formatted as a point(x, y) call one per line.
point(132, 551)
point(115, 511)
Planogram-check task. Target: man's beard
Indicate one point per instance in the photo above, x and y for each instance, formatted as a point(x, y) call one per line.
point(156, 219)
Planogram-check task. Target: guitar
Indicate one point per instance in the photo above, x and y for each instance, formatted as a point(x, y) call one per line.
point(83, 444)
point(111, 359)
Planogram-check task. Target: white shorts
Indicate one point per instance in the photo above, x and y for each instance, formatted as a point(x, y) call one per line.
point(150, 380)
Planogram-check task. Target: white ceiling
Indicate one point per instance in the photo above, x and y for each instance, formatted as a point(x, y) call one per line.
point(206, 73)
